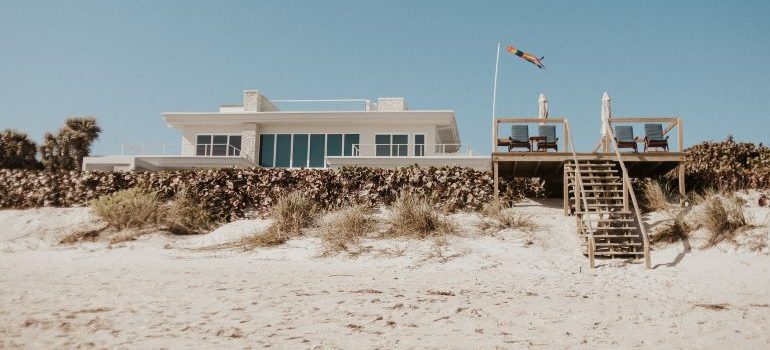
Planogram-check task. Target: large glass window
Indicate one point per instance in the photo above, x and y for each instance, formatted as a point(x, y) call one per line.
point(419, 145)
point(266, 150)
point(218, 145)
point(352, 145)
point(317, 150)
point(334, 145)
point(283, 150)
point(299, 151)
point(391, 145)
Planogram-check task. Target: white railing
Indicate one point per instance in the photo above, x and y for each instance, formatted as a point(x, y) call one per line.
point(159, 149)
point(410, 150)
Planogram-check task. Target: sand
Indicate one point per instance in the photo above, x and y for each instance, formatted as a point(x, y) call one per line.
point(479, 291)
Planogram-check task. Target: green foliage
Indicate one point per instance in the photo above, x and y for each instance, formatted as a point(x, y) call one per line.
point(66, 149)
point(17, 151)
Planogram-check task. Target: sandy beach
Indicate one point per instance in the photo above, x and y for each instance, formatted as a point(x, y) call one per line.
point(482, 291)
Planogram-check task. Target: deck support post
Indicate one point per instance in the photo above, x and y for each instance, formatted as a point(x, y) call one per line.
point(565, 192)
point(497, 179)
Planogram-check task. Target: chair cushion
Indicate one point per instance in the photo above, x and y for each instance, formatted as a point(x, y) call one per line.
point(624, 133)
point(549, 131)
point(520, 133)
point(654, 132)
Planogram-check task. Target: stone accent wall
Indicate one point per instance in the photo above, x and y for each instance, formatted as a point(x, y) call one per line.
point(251, 100)
point(250, 142)
point(391, 104)
point(254, 101)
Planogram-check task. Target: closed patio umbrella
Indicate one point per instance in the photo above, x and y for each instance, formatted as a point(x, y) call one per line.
point(542, 108)
point(606, 115)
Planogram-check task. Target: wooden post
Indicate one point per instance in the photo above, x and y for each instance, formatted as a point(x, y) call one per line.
point(497, 181)
point(494, 133)
point(566, 136)
point(625, 197)
point(680, 145)
point(566, 191)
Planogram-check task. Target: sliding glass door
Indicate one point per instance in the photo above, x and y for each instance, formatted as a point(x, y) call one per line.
point(304, 150)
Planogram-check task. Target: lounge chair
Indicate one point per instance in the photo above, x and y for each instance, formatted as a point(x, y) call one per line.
point(519, 137)
point(624, 136)
point(653, 137)
point(548, 138)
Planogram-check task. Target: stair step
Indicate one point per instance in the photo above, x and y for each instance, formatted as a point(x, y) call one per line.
point(599, 191)
point(609, 228)
point(618, 253)
point(608, 177)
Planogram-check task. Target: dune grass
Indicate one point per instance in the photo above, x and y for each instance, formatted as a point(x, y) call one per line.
point(344, 230)
point(657, 195)
point(291, 213)
point(184, 215)
point(503, 215)
point(415, 216)
point(673, 229)
point(131, 208)
point(724, 217)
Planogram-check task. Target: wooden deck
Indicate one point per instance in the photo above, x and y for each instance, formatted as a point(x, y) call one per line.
point(550, 165)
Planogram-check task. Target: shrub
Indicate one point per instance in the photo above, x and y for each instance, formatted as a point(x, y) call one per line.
point(657, 195)
point(727, 165)
point(135, 208)
point(66, 149)
point(230, 194)
point(414, 215)
point(185, 215)
point(343, 230)
point(17, 151)
point(723, 216)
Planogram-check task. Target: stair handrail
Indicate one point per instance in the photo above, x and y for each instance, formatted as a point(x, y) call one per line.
point(627, 182)
point(580, 191)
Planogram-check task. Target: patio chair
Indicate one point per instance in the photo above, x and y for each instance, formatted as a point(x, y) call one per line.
point(653, 137)
point(519, 137)
point(624, 136)
point(547, 138)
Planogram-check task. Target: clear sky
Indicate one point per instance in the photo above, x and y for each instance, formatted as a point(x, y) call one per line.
point(125, 62)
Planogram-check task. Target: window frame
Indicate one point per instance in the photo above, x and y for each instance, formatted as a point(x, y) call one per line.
point(210, 145)
point(391, 144)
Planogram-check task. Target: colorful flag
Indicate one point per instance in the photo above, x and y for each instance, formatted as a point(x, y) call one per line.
point(526, 56)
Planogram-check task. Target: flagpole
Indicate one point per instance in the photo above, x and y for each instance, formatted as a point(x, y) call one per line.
point(494, 99)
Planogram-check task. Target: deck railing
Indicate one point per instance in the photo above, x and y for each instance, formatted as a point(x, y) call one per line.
point(529, 120)
point(409, 150)
point(190, 150)
point(628, 189)
point(579, 193)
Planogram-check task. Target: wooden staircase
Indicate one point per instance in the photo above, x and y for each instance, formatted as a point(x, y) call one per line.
point(601, 206)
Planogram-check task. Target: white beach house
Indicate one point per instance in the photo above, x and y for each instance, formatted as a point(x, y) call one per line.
point(385, 133)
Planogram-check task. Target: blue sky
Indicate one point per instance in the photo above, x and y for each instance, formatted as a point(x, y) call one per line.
point(125, 62)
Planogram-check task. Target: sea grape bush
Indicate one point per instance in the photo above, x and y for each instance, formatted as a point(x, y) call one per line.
point(235, 193)
point(727, 165)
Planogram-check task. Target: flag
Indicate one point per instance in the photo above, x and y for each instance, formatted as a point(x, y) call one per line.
point(526, 56)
